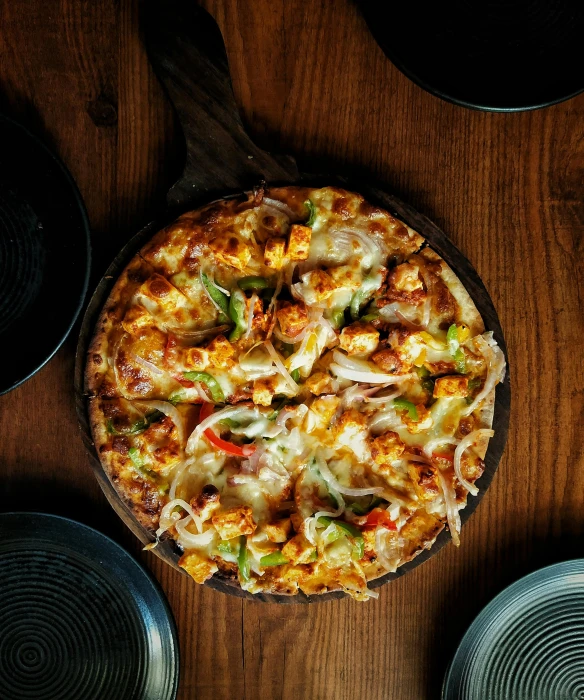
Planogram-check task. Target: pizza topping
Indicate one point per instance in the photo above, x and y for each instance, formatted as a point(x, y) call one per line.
point(298, 242)
point(275, 253)
point(364, 379)
point(464, 445)
point(218, 297)
point(311, 213)
point(211, 383)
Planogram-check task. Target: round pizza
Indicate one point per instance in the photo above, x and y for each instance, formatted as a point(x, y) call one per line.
point(295, 388)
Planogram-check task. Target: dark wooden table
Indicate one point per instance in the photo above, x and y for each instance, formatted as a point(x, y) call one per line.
point(507, 189)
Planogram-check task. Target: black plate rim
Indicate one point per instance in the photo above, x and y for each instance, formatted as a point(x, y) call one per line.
point(78, 200)
point(375, 191)
point(484, 613)
point(125, 555)
point(375, 30)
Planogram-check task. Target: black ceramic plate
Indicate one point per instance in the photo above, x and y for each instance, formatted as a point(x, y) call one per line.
point(498, 55)
point(79, 618)
point(44, 254)
point(527, 644)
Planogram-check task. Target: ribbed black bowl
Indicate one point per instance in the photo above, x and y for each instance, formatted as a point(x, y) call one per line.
point(528, 643)
point(79, 618)
point(44, 254)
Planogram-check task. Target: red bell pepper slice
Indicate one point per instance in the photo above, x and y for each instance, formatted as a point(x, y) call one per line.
point(381, 517)
point(231, 449)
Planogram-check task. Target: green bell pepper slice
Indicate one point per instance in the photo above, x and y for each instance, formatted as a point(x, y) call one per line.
point(338, 318)
point(209, 380)
point(137, 427)
point(218, 297)
point(407, 406)
point(254, 283)
point(237, 313)
point(243, 559)
point(274, 559)
point(311, 213)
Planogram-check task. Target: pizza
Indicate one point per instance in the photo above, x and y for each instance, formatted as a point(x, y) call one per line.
point(295, 388)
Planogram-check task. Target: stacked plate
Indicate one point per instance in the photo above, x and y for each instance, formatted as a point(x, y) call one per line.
point(79, 618)
point(527, 644)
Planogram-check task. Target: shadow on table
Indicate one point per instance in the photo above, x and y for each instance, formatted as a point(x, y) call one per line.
point(458, 610)
point(58, 497)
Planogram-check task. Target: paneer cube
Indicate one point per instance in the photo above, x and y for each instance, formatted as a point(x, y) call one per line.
point(160, 290)
point(423, 477)
point(198, 566)
point(299, 242)
point(220, 352)
point(405, 278)
point(359, 338)
point(323, 410)
point(454, 386)
point(352, 431)
point(230, 250)
point(319, 284)
point(196, 358)
point(234, 522)
point(386, 448)
point(277, 530)
point(346, 277)
point(293, 318)
point(390, 361)
point(206, 503)
point(275, 253)
point(264, 390)
point(319, 383)
point(136, 319)
point(298, 550)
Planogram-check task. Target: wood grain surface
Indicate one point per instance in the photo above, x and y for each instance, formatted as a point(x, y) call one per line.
point(506, 188)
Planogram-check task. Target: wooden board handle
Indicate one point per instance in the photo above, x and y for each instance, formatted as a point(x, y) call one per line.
point(187, 52)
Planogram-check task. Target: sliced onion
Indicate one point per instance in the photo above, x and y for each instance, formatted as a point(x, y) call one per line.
point(495, 368)
point(252, 301)
point(407, 323)
point(370, 594)
point(219, 287)
point(188, 539)
point(208, 422)
point(452, 514)
point(148, 365)
point(368, 244)
point(350, 363)
point(272, 306)
point(368, 377)
point(280, 206)
point(167, 519)
point(431, 445)
point(383, 399)
point(382, 533)
point(289, 274)
point(169, 410)
point(280, 367)
point(327, 475)
point(298, 411)
point(464, 444)
point(202, 393)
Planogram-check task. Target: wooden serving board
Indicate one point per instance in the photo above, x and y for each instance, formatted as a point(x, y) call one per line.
point(188, 55)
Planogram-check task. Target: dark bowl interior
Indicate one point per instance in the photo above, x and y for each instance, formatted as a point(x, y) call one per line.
point(44, 254)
